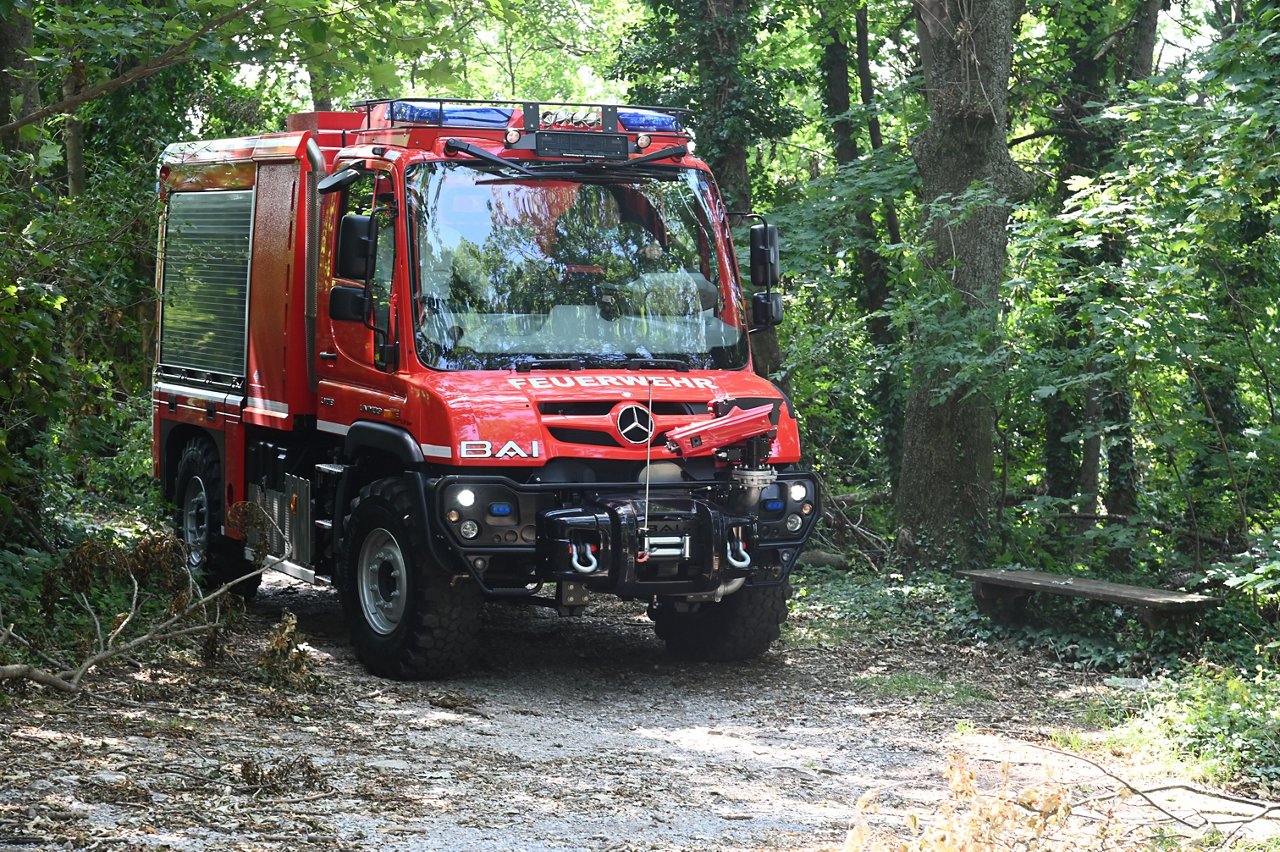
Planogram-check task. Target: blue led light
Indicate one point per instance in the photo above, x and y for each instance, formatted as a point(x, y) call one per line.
point(454, 115)
point(773, 505)
point(500, 510)
point(647, 121)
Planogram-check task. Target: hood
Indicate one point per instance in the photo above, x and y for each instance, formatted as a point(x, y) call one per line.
point(524, 419)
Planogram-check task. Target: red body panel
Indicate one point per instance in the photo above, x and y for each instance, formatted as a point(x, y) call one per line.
point(277, 368)
point(277, 391)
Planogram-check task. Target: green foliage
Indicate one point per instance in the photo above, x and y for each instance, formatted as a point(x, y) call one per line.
point(834, 365)
point(1227, 719)
point(1256, 574)
point(724, 67)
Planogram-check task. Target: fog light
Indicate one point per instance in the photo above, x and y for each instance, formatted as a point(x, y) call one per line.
point(513, 136)
point(798, 492)
point(466, 498)
point(794, 523)
point(470, 529)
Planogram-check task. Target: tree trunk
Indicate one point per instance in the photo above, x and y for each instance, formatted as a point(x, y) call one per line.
point(875, 272)
point(718, 61)
point(834, 70)
point(1069, 461)
point(73, 136)
point(19, 88)
point(321, 91)
point(1142, 57)
point(867, 89)
point(944, 492)
point(873, 294)
point(1073, 465)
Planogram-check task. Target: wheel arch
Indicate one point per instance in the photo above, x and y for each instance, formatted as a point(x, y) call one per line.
point(383, 438)
point(371, 451)
point(174, 437)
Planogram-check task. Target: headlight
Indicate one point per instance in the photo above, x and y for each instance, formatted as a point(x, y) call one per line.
point(794, 523)
point(470, 529)
point(798, 492)
point(466, 498)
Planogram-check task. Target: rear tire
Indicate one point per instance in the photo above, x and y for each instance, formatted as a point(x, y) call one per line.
point(740, 627)
point(409, 619)
point(212, 558)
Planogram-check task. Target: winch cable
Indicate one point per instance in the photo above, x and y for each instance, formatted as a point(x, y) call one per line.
point(648, 475)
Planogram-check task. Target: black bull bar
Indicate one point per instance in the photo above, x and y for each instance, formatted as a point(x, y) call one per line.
point(688, 539)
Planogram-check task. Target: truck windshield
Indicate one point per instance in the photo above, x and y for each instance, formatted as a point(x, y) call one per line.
point(596, 270)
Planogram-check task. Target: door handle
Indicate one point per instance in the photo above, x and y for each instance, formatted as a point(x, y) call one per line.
point(328, 356)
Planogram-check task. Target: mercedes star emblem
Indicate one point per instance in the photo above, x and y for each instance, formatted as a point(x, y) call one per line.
point(635, 424)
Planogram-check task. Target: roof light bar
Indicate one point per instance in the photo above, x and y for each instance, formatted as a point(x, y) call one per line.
point(476, 113)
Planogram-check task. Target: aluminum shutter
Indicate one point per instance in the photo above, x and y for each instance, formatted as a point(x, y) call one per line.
point(206, 281)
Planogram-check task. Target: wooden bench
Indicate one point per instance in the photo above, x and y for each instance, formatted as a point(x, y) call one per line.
point(1002, 595)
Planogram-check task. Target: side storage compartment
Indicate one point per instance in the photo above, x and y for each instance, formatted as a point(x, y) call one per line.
point(287, 517)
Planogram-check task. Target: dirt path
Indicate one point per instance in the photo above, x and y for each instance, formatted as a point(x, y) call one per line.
point(576, 734)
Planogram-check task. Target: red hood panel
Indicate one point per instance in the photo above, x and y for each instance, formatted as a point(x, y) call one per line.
point(508, 418)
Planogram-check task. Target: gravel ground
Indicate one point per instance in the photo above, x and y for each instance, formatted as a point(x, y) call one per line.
point(573, 734)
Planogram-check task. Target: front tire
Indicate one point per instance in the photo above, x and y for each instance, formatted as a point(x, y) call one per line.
point(740, 627)
point(212, 558)
point(409, 619)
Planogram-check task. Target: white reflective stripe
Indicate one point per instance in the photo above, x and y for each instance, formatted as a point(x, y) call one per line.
point(198, 393)
point(335, 428)
point(268, 405)
point(436, 451)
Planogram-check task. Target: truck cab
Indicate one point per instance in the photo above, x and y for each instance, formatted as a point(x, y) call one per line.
point(440, 351)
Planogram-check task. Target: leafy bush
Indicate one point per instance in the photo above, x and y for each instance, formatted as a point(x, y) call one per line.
point(104, 591)
point(1226, 718)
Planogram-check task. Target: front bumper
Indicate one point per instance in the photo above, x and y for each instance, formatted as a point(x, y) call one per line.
point(689, 539)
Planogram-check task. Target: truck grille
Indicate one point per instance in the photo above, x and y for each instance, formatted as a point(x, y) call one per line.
point(590, 423)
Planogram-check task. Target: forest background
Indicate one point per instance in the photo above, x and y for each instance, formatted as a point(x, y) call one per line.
point(1031, 264)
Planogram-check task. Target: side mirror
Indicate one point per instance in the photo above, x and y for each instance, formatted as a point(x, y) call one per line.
point(357, 247)
point(765, 268)
point(766, 310)
point(347, 303)
point(338, 180)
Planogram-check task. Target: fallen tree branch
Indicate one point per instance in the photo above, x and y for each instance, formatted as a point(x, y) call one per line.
point(67, 679)
point(1265, 808)
point(37, 675)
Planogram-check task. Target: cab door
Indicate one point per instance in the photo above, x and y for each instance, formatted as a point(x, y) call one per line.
point(359, 360)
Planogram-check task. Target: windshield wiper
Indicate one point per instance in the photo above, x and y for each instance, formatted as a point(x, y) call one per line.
point(549, 364)
point(657, 364)
point(453, 145)
point(660, 154)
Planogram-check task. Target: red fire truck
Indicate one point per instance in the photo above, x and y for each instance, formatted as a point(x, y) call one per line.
point(458, 351)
